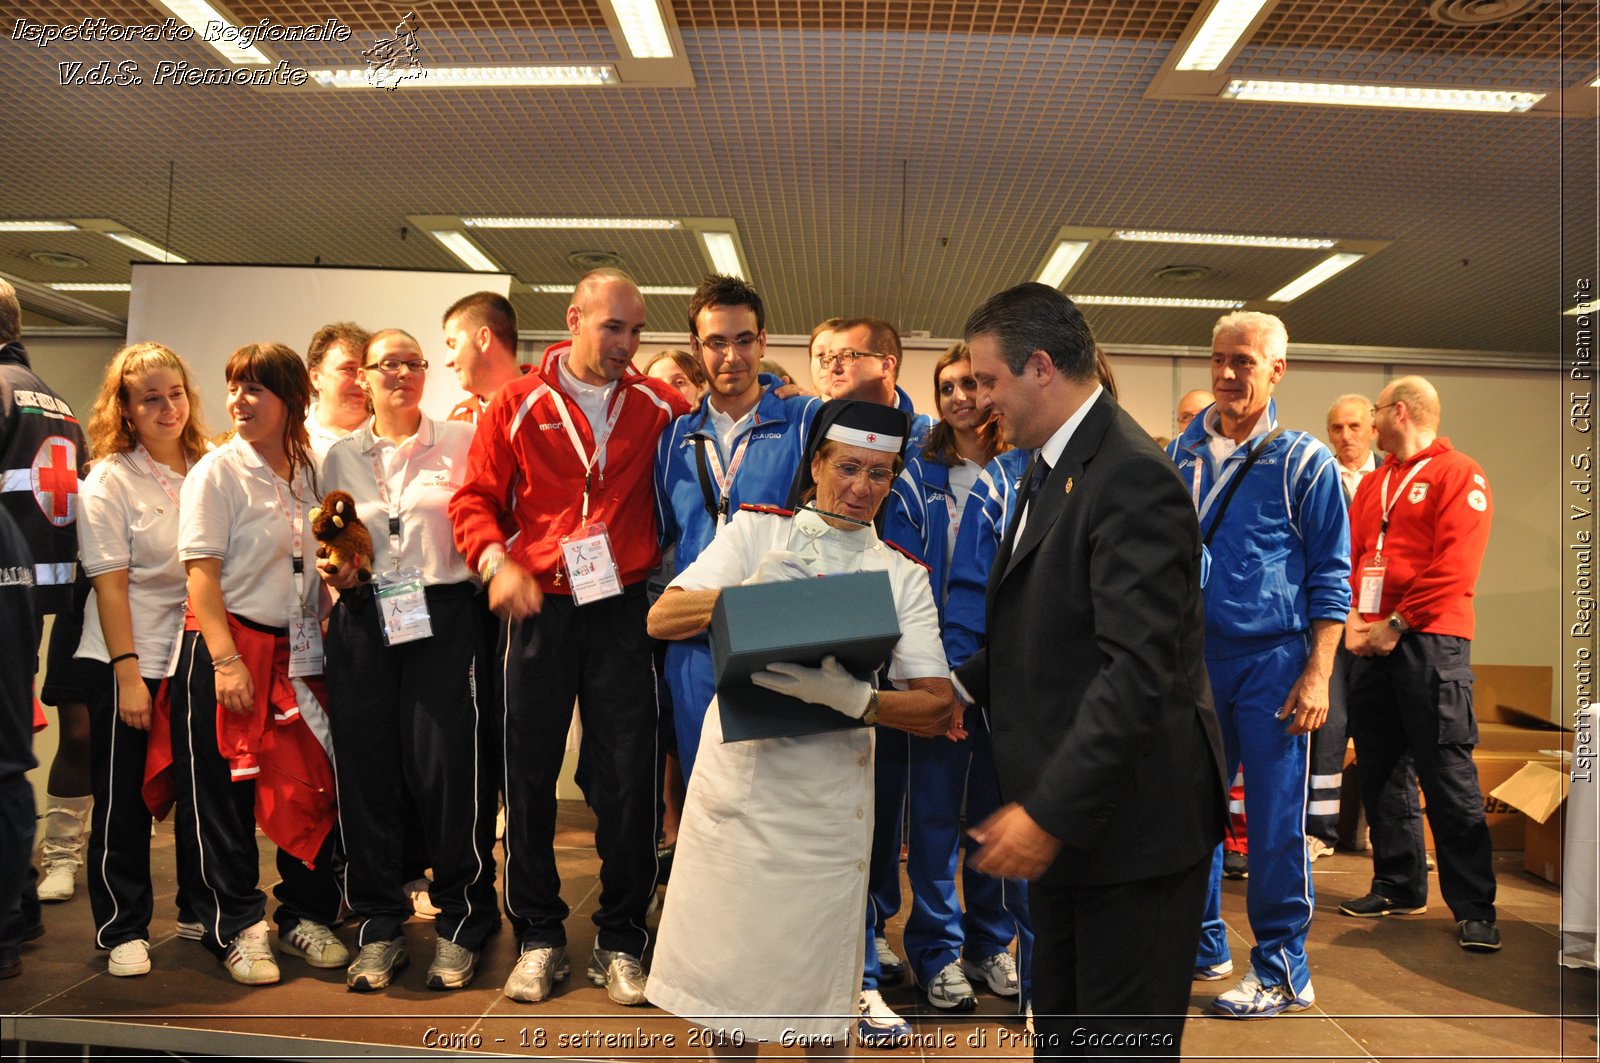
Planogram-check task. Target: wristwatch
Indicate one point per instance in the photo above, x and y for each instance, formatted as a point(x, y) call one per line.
point(870, 717)
point(1398, 622)
point(490, 567)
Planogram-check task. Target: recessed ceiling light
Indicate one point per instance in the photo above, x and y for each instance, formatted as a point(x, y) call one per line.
point(467, 251)
point(1314, 276)
point(1411, 96)
point(644, 289)
point(571, 223)
point(1145, 300)
point(56, 259)
point(724, 252)
point(216, 31)
point(37, 227)
point(1154, 236)
point(146, 248)
point(477, 77)
point(1224, 25)
point(643, 28)
point(87, 287)
point(1063, 259)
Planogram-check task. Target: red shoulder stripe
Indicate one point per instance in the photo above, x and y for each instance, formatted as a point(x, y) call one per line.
point(907, 554)
point(777, 511)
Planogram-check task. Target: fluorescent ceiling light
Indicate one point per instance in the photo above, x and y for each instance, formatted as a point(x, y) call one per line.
point(1412, 96)
point(572, 223)
point(146, 248)
point(644, 289)
point(466, 251)
point(643, 28)
point(37, 227)
point(1224, 25)
point(1145, 300)
point(724, 253)
point(476, 77)
point(1588, 307)
point(199, 16)
point(1062, 261)
point(1150, 236)
point(1314, 276)
point(78, 286)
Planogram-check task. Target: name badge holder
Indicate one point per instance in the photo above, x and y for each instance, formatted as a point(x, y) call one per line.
point(591, 566)
point(1370, 601)
point(305, 628)
point(402, 603)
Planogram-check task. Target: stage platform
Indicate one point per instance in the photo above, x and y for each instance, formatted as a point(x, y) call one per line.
point(1387, 989)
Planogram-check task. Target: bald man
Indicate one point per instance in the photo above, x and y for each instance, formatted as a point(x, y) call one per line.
point(1193, 402)
point(564, 456)
point(1418, 529)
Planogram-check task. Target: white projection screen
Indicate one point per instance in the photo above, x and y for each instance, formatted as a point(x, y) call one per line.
point(205, 313)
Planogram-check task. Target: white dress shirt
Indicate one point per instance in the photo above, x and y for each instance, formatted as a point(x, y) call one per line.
point(1056, 445)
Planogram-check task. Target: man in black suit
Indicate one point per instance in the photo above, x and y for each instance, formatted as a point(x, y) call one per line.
point(1105, 738)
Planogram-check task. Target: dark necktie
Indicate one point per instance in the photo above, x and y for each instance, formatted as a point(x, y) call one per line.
point(1039, 473)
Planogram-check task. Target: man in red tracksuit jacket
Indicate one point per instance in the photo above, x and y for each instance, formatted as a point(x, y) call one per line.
point(564, 456)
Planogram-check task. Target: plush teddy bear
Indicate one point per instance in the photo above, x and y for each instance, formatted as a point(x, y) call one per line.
point(341, 535)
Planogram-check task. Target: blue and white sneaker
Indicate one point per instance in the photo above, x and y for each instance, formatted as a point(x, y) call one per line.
point(891, 971)
point(877, 1026)
point(1215, 972)
point(1252, 1000)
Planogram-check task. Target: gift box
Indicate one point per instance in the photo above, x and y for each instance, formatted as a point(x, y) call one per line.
point(850, 616)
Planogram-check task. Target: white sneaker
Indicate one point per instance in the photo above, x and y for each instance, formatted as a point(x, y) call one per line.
point(315, 944)
point(1316, 849)
point(536, 971)
point(129, 959)
point(1250, 999)
point(421, 902)
point(61, 849)
point(1214, 972)
point(250, 960)
point(891, 970)
point(191, 930)
point(998, 972)
point(877, 1026)
point(950, 990)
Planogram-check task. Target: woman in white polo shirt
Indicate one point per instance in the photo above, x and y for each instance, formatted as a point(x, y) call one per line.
point(145, 433)
point(246, 680)
point(405, 669)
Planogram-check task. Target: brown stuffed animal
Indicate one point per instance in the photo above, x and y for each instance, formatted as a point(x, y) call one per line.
point(343, 538)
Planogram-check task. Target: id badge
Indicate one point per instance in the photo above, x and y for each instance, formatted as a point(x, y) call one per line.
point(1371, 598)
point(305, 646)
point(591, 567)
point(402, 606)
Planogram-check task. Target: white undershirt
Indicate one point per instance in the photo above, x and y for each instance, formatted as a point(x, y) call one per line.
point(1056, 445)
point(1221, 446)
point(592, 399)
point(963, 475)
point(727, 429)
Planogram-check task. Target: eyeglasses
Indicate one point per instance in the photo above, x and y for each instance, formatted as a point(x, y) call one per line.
point(392, 366)
point(845, 359)
point(1385, 406)
point(719, 346)
point(877, 475)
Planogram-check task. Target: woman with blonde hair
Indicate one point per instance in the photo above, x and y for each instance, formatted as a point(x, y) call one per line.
point(144, 434)
point(248, 729)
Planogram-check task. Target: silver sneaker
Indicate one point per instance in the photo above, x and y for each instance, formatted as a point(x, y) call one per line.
point(950, 990)
point(536, 971)
point(249, 959)
point(453, 966)
point(376, 965)
point(315, 944)
point(620, 973)
point(998, 972)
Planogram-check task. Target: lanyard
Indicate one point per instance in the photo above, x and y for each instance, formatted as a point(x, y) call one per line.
point(383, 495)
point(600, 440)
point(154, 469)
point(1388, 505)
point(296, 520)
point(707, 455)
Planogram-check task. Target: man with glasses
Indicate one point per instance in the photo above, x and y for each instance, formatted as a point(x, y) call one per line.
point(743, 446)
point(863, 362)
point(334, 358)
point(480, 332)
point(1273, 520)
point(1418, 528)
point(565, 456)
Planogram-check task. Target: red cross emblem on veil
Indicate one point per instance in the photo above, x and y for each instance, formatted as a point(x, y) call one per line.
point(872, 437)
point(55, 479)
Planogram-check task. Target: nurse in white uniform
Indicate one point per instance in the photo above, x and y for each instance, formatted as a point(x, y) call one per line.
point(761, 931)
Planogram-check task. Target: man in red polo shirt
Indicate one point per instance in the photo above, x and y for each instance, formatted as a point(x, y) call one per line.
point(1418, 528)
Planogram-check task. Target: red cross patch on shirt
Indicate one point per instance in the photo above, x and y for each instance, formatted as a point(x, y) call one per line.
point(55, 480)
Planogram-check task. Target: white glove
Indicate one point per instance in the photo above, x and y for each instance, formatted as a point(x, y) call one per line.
point(779, 566)
point(831, 685)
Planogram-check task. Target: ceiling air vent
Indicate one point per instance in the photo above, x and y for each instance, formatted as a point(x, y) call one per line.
point(1478, 12)
point(1181, 274)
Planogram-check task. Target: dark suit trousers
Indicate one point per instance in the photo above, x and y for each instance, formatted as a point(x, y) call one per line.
point(1112, 964)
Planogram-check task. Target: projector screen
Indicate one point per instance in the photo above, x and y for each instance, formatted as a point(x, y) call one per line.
point(205, 313)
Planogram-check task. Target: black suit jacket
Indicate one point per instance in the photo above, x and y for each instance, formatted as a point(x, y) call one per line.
point(1104, 729)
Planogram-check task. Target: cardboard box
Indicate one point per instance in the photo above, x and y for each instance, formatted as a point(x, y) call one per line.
point(1507, 825)
point(1538, 791)
point(1527, 689)
point(850, 616)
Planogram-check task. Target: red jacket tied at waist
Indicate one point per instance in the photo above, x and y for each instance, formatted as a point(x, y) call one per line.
point(270, 744)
